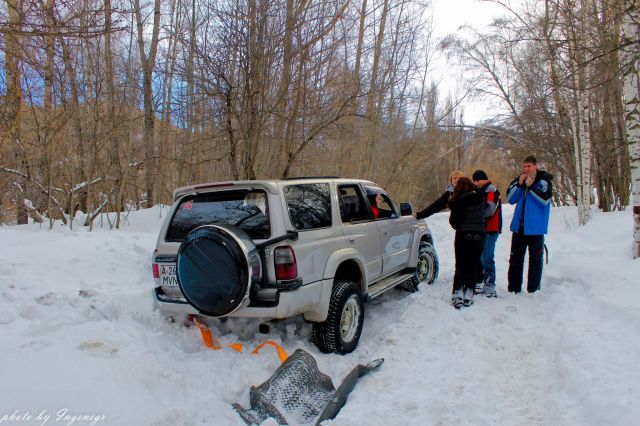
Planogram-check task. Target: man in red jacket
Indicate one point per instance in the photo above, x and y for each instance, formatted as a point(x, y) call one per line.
point(493, 225)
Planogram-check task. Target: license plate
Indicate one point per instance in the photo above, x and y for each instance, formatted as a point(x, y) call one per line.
point(168, 277)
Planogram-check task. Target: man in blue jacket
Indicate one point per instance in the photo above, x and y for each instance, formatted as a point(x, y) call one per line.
point(531, 192)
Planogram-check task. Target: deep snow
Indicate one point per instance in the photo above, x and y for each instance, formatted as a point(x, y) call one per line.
point(79, 338)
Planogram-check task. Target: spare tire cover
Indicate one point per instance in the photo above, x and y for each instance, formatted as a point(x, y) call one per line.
point(216, 267)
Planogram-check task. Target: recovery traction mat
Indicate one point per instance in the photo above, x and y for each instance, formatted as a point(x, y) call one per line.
point(300, 394)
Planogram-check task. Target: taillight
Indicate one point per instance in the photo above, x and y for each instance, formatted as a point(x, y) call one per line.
point(156, 271)
point(154, 266)
point(285, 263)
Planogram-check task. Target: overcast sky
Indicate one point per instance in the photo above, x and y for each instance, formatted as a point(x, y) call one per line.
point(451, 14)
point(448, 16)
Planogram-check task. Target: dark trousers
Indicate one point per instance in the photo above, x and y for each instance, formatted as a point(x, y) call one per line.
point(468, 247)
point(479, 272)
point(519, 245)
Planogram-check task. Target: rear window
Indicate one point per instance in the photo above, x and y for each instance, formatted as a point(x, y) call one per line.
point(246, 209)
point(309, 205)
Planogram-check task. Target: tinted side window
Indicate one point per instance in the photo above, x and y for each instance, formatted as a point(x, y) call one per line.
point(246, 209)
point(309, 205)
point(352, 206)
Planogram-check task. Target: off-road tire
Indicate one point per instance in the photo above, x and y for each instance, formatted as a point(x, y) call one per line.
point(328, 336)
point(427, 258)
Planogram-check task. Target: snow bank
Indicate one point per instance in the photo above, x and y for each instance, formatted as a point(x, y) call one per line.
point(80, 338)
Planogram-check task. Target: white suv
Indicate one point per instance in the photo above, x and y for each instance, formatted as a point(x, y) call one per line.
point(268, 249)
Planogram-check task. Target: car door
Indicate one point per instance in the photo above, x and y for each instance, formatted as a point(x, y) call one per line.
point(360, 231)
point(395, 231)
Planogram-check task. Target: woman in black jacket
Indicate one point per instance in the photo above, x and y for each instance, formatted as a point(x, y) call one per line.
point(441, 202)
point(467, 218)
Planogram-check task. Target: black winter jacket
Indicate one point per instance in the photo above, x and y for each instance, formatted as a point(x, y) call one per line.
point(438, 205)
point(467, 213)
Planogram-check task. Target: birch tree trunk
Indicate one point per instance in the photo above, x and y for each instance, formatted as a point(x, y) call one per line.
point(582, 142)
point(584, 155)
point(632, 97)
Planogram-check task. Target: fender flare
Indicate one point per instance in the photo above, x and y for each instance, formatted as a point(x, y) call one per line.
point(418, 235)
point(319, 313)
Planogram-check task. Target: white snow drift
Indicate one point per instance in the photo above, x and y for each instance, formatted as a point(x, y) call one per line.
point(81, 343)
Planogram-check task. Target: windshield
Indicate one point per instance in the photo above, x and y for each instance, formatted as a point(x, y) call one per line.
point(246, 209)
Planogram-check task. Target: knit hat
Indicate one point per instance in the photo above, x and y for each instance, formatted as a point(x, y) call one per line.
point(479, 175)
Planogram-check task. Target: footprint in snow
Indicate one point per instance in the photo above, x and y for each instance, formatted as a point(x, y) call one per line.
point(86, 293)
point(499, 318)
point(6, 317)
point(36, 345)
point(46, 299)
point(98, 348)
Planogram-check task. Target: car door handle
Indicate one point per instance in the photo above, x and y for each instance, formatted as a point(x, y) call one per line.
point(352, 240)
point(385, 232)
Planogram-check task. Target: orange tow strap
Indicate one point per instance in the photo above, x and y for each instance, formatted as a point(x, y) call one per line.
point(209, 341)
point(281, 352)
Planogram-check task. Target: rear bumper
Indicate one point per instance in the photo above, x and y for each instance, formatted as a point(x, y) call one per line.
point(290, 302)
point(171, 304)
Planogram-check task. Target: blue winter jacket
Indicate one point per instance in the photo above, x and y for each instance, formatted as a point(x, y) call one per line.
point(533, 204)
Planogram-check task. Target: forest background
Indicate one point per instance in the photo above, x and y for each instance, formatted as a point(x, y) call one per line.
point(110, 105)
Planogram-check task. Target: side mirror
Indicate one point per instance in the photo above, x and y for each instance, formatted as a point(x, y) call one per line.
point(406, 209)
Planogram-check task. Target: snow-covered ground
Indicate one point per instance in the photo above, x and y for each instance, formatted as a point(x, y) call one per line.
point(82, 345)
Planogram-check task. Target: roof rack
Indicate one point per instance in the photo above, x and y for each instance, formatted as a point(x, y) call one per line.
point(309, 177)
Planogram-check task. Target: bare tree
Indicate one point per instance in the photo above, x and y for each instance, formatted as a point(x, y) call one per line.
point(112, 126)
point(14, 92)
point(554, 66)
point(371, 132)
point(148, 65)
point(236, 90)
point(632, 96)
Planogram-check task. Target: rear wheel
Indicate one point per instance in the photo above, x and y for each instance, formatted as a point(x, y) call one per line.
point(341, 331)
point(426, 267)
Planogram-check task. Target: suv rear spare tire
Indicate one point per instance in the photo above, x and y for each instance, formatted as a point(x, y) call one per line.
point(217, 265)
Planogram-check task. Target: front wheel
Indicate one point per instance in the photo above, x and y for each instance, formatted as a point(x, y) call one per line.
point(426, 267)
point(340, 332)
